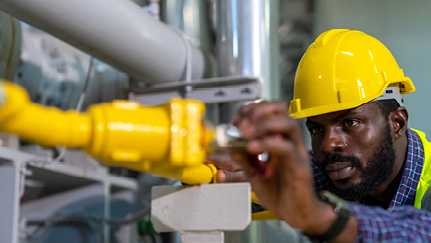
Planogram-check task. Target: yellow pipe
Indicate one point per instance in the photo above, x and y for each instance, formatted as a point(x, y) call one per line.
point(191, 175)
point(42, 125)
point(168, 140)
point(263, 215)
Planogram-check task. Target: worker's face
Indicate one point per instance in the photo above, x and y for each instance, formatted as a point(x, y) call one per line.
point(354, 149)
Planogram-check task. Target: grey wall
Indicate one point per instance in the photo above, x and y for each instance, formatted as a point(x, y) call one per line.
point(404, 27)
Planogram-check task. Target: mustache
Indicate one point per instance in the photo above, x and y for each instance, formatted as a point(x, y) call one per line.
point(332, 158)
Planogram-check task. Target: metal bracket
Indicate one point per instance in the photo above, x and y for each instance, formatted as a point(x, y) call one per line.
point(213, 90)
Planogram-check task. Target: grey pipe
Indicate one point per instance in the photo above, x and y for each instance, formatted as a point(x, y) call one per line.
point(193, 17)
point(117, 32)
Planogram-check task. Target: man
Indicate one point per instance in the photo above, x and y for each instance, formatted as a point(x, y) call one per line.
point(348, 87)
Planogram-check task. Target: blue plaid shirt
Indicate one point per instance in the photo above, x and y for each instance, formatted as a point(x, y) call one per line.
point(401, 222)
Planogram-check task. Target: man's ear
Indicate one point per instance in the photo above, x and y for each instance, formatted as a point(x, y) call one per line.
point(398, 120)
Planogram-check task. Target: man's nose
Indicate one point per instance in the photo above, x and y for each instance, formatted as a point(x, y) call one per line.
point(333, 141)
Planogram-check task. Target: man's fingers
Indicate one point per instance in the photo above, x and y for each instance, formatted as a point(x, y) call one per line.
point(268, 110)
point(294, 157)
point(256, 111)
point(280, 125)
point(224, 176)
point(242, 157)
point(278, 146)
point(245, 110)
point(223, 161)
point(253, 120)
point(228, 169)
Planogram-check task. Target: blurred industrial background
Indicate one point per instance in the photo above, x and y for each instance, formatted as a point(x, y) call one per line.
point(74, 54)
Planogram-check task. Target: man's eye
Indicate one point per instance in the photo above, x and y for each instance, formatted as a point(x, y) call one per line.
point(315, 130)
point(350, 123)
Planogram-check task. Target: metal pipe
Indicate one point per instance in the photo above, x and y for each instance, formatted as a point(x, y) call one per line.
point(171, 11)
point(192, 17)
point(197, 25)
point(118, 32)
point(248, 43)
point(10, 39)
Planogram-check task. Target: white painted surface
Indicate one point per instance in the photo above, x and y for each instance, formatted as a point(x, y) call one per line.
point(213, 207)
point(205, 236)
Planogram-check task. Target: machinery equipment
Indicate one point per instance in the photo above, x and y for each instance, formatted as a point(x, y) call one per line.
point(169, 141)
point(151, 63)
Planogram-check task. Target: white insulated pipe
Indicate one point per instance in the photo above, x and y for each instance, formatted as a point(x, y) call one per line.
point(118, 32)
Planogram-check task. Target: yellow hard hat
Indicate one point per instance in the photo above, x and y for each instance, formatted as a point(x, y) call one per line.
point(344, 69)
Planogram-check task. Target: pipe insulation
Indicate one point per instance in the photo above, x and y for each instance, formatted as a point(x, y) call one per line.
point(118, 32)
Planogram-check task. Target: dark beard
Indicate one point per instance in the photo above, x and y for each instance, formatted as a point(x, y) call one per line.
point(379, 169)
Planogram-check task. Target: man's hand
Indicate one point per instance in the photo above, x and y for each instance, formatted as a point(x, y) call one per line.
point(227, 169)
point(284, 186)
point(284, 183)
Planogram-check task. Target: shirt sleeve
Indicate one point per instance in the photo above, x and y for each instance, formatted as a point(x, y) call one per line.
point(397, 224)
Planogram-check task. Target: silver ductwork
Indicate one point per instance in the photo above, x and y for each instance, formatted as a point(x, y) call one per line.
point(248, 45)
point(247, 42)
point(194, 18)
point(118, 32)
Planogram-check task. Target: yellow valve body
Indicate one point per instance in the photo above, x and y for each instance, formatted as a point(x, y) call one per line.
point(127, 132)
point(168, 140)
